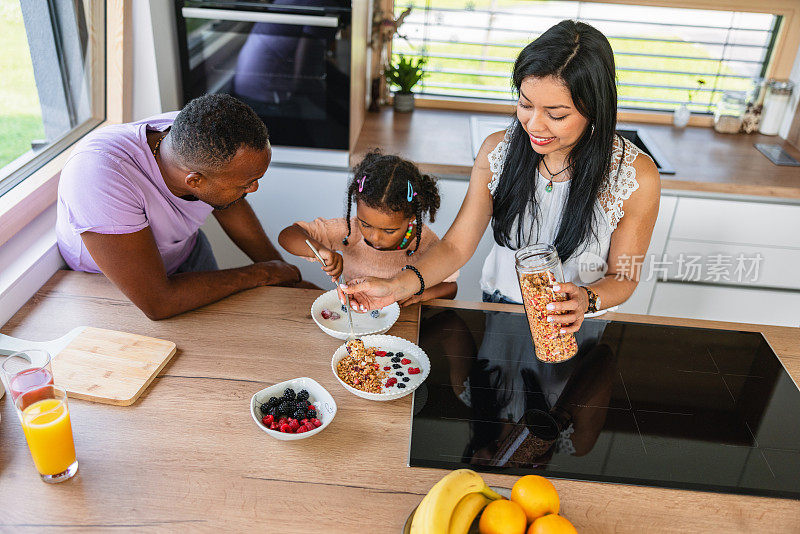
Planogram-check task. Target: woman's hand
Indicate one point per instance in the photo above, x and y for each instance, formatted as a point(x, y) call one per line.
point(368, 293)
point(569, 313)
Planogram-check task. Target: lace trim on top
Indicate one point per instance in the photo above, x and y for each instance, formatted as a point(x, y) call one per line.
point(617, 188)
point(496, 158)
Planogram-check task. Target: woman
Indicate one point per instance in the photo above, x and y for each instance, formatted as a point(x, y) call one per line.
point(559, 175)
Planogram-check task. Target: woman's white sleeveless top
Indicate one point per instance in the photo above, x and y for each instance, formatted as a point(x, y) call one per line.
point(499, 271)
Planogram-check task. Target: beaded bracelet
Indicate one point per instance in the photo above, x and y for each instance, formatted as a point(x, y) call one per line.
point(421, 280)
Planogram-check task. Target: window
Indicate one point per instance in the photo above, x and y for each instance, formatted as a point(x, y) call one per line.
point(664, 56)
point(52, 80)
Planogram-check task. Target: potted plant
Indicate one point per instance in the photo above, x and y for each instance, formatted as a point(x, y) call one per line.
point(404, 75)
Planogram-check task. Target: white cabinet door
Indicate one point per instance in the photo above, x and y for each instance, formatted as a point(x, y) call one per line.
point(286, 195)
point(289, 194)
point(453, 193)
point(720, 303)
point(730, 221)
point(640, 300)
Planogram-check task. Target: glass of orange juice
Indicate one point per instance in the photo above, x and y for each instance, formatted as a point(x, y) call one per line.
point(45, 421)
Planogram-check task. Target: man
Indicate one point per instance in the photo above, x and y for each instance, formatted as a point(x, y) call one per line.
point(132, 198)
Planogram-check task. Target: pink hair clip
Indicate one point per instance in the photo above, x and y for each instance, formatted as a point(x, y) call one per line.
point(361, 183)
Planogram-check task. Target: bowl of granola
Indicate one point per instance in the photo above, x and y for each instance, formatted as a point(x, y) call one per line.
point(331, 317)
point(380, 367)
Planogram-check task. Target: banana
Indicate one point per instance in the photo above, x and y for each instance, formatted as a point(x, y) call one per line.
point(434, 512)
point(466, 511)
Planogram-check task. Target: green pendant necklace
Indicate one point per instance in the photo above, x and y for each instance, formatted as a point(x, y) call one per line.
point(549, 186)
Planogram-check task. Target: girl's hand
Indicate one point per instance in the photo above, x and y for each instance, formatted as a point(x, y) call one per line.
point(573, 308)
point(334, 263)
point(368, 293)
point(413, 299)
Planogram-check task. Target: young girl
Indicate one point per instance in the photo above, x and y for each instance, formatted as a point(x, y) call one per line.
point(392, 199)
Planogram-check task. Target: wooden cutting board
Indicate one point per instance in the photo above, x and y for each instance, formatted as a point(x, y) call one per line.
point(101, 365)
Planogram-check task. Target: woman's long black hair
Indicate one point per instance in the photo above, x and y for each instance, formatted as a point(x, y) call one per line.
point(581, 57)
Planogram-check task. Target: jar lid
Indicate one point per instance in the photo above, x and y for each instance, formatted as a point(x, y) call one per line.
point(781, 87)
point(735, 97)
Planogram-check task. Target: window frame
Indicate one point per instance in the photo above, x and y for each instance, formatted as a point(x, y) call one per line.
point(39, 190)
point(784, 49)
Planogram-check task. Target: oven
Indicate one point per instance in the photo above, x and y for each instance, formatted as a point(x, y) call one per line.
point(288, 59)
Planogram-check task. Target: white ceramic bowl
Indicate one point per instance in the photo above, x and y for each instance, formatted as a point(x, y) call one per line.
point(363, 323)
point(389, 344)
point(321, 399)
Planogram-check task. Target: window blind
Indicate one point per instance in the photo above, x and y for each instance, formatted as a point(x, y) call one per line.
point(662, 54)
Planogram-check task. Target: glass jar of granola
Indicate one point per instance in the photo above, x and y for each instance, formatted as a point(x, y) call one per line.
point(538, 269)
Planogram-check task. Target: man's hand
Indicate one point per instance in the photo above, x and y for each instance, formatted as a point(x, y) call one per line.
point(275, 273)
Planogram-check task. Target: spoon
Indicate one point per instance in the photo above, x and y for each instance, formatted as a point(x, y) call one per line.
point(352, 335)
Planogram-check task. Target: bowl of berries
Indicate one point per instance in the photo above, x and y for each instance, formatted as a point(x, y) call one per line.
point(380, 367)
point(294, 409)
point(331, 317)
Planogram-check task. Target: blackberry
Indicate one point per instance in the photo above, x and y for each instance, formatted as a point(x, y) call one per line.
point(264, 408)
point(399, 354)
point(401, 385)
point(288, 394)
point(374, 314)
point(396, 366)
point(299, 414)
point(273, 401)
point(303, 395)
point(396, 359)
point(389, 354)
point(311, 414)
point(406, 379)
point(285, 408)
point(344, 308)
point(399, 373)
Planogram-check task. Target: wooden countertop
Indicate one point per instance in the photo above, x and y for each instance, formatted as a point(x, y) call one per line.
point(187, 454)
point(704, 161)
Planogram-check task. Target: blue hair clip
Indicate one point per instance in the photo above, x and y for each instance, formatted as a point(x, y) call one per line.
point(410, 193)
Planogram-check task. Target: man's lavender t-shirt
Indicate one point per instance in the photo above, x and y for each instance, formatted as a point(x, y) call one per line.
point(111, 184)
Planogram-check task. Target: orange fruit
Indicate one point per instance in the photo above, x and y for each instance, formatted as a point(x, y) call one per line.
point(536, 495)
point(552, 524)
point(502, 517)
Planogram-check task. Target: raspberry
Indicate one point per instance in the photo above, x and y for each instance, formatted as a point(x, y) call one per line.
point(413, 370)
point(293, 424)
point(286, 428)
point(268, 419)
point(309, 426)
point(387, 368)
point(273, 426)
point(405, 361)
point(282, 421)
point(301, 430)
point(392, 381)
point(380, 353)
point(316, 422)
point(326, 313)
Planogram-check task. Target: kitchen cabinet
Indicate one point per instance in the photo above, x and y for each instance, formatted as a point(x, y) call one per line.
point(745, 254)
point(289, 193)
point(723, 303)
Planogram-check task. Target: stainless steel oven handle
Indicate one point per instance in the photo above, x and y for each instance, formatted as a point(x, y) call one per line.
point(257, 16)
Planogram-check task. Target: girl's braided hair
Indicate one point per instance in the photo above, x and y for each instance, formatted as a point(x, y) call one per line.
point(384, 181)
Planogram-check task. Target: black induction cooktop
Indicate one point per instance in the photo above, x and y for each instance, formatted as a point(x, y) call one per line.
point(651, 405)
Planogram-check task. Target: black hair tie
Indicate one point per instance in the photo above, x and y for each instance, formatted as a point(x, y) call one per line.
point(421, 280)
